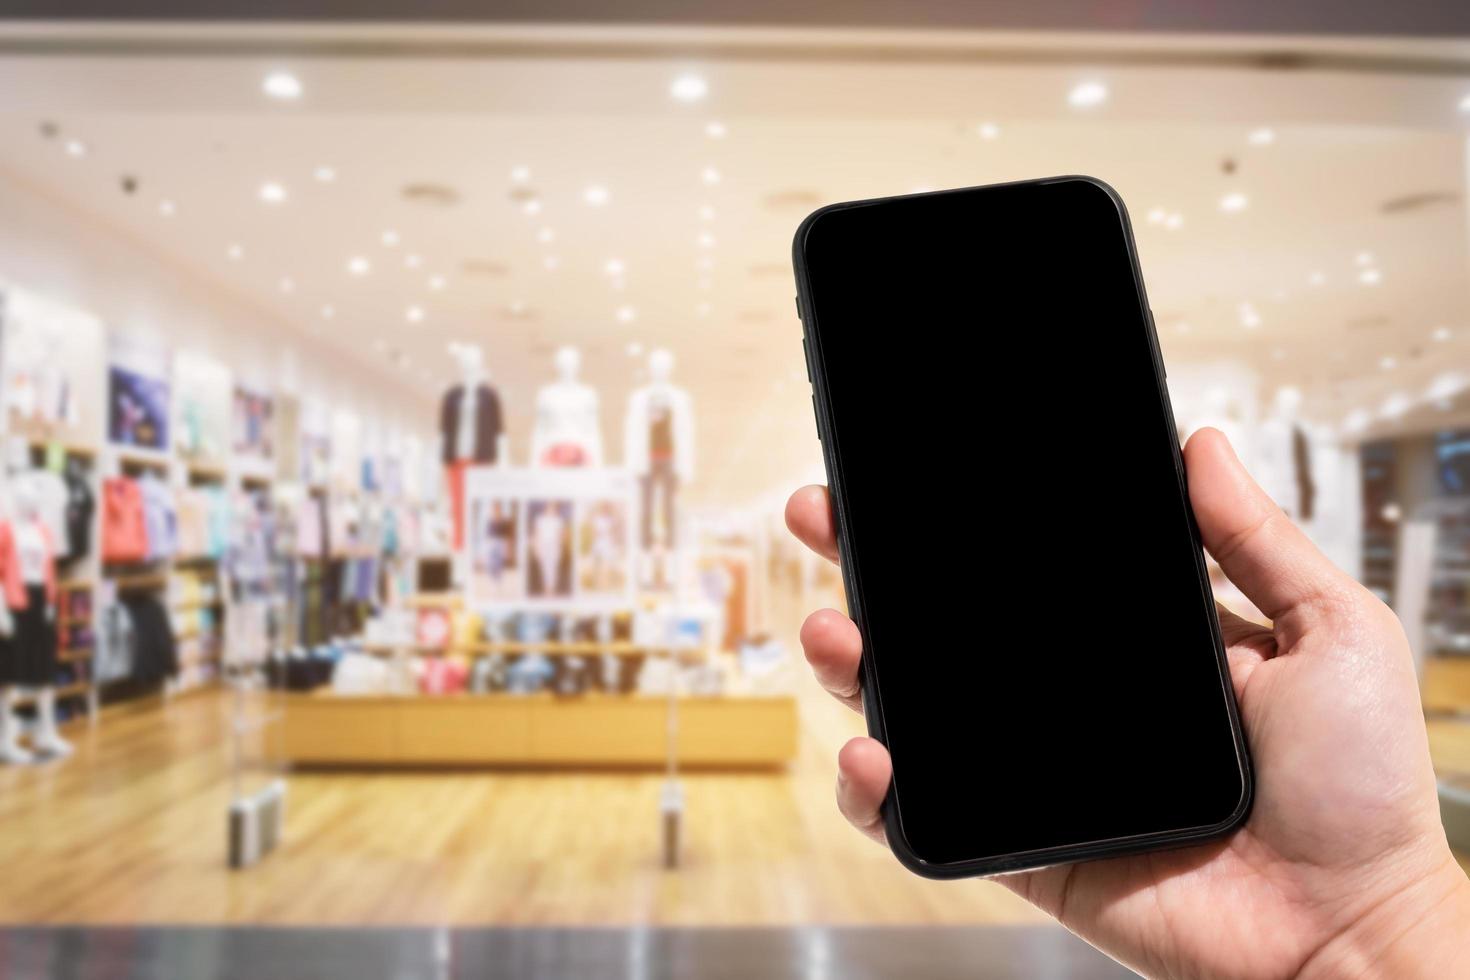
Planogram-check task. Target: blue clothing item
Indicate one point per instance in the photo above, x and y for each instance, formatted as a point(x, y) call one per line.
point(529, 674)
point(219, 522)
point(160, 522)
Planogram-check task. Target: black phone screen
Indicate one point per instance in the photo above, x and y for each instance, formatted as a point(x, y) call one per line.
point(1029, 584)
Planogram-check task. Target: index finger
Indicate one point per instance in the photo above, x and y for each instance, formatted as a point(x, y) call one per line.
point(809, 516)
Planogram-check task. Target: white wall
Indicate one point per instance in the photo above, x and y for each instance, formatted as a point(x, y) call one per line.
point(48, 247)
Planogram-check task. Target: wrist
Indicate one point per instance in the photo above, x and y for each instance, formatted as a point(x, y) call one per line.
point(1422, 930)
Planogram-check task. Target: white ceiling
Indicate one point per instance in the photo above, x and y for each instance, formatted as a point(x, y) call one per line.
point(805, 125)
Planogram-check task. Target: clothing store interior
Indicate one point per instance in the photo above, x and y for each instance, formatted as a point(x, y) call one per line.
point(398, 418)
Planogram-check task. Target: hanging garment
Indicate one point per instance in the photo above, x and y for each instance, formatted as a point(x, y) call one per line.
point(154, 649)
point(12, 573)
point(114, 657)
point(80, 505)
point(124, 534)
point(160, 519)
point(28, 656)
point(1301, 457)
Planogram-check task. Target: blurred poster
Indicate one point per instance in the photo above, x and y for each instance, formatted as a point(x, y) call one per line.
point(254, 424)
point(555, 538)
point(137, 409)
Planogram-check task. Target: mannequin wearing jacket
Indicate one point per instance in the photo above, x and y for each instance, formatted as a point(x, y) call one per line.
point(568, 429)
point(659, 448)
point(471, 429)
point(28, 654)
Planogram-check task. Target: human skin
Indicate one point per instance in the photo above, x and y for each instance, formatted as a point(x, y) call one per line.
point(1343, 868)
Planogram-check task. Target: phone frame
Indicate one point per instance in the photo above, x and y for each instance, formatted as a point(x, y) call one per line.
point(857, 602)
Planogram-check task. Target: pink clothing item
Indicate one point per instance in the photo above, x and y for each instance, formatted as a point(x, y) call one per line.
point(11, 580)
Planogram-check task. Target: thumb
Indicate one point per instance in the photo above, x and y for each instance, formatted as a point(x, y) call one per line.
point(1258, 547)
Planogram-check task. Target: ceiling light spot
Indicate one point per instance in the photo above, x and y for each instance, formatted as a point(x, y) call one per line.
point(1442, 334)
point(414, 314)
point(705, 282)
point(634, 349)
point(271, 192)
point(287, 284)
point(1249, 318)
point(596, 195)
point(532, 207)
point(324, 174)
point(1174, 221)
point(710, 176)
point(412, 261)
point(389, 238)
point(1363, 258)
point(706, 213)
point(1156, 216)
point(1370, 277)
point(1233, 202)
point(715, 130)
point(236, 252)
point(1317, 278)
point(437, 283)
point(1465, 102)
point(705, 240)
point(614, 267)
point(1388, 363)
point(1263, 136)
point(281, 85)
point(359, 266)
point(703, 309)
point(1395, 406)
point(546, 236)
point(688, 88)
point(705, 263)
point(76, 148)
point(1087, 95)
point(551, 262)
point(1183, 326)
point(520, 173)
point(626, 314)
point(167, 208)
point(328, 311)
point(987, 130)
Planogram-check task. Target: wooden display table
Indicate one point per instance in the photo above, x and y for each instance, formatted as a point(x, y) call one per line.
point(1446, 685)
point(536, 730)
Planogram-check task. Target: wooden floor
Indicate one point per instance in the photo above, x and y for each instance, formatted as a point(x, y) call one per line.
point(131, 830)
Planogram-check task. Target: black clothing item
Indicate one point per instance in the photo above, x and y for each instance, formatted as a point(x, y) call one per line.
point(489, 424)
point(1301, 455)
point(80, 505)
point(660, 430)
point(28, 656)
point(155, 656)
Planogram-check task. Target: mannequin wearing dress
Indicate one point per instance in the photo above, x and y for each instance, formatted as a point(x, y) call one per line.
point(659, 449)
point(471, 429)
point(568, 429)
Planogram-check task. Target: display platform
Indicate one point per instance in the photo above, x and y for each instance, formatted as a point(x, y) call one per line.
point(536, 730)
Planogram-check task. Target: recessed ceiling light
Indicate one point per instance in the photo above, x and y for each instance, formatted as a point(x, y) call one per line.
point(1278, 354)
point(1370, 277)
point(324, 174)
point(328, 311)
point(689, 88)
point(167, 208)
point(705, 263)
point(702, 309)
point(520, 173)
point(551, 262)
point(1234, 201)
point(1156, 216)
point(1465, 103)
point(271, 192)
point(1363, 258)
point(1264, 136)
point(546, 236)
point(596, 195)
point(634, 348)
point(1249, 318)
point(437, 283)
point(287, 284)
point(1183, 326)
point(1396, 405)
point(706, 213)
point(359, 266)
point(987, 130)
point(626, 314)
point(380, 345)
point(1441, 334)
point(532, 206)
point(715, 130)
point(1388, 363)
point(414, 314)
point(76, 148)
point(710, 176)
point(1174, 221)
point(706, 240)
point(613, 267)
point(412, 261)
point(1087, 95)
point(389, 238)
point(281, 85)
point(1316, 279)
point(517, 307)
point(236, 252)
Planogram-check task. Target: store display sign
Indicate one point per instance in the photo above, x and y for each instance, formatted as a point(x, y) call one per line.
point(557, 538)
point(137, 395)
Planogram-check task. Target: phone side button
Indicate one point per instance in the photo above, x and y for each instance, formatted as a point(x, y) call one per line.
point(806, 360)
point(816, 418)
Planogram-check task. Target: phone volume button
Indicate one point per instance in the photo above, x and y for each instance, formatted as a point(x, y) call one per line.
point(806, 359)
point(816, 418)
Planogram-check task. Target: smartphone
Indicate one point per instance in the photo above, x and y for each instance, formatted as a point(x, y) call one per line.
point(1041, 654)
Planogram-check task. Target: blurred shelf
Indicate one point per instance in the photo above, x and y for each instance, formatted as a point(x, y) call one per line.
point(551, 648)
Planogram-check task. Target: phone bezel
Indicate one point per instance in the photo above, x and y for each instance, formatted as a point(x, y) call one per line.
point(872, 696)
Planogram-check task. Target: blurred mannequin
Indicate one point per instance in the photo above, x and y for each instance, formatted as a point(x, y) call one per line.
point(659, 448)
point(29, 653)
point(568, 429)
point(1284, 457)
point(471, 429)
